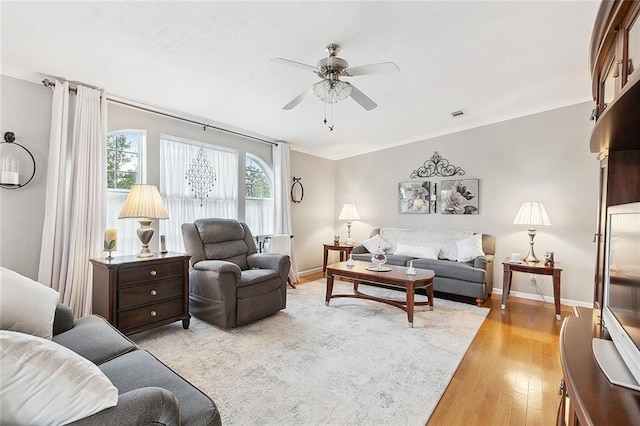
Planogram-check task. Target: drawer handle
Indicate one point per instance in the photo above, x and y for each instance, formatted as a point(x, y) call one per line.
point(153, 273)
point(153, 292)
point(153, 313)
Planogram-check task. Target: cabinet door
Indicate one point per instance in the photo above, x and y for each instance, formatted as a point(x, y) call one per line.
point(598, 291)
point(633, 46)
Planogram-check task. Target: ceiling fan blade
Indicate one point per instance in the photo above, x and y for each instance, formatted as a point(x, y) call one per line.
point(381, 68)
point(295, 64)
point(299, 99)
point(364, 101)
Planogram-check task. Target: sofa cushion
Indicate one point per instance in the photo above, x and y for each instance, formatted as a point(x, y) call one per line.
point(417, 251)
point(140, 369)
point(422, 237)
point(451, 269)
point(45, 383)
point(469, 248)
point(374, 242)
point(95, 339)
point(26, 305)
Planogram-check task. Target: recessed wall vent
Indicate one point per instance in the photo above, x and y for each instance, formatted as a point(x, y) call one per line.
point(458, 113)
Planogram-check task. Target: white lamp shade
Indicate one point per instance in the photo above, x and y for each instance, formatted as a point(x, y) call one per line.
point(533, 214)
point(143, 202)
point(349, 212)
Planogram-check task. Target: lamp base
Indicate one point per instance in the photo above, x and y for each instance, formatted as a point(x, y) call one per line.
point(531, 256)
point(145, 233)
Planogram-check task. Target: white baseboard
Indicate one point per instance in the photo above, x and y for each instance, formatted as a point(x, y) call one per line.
point(309, 271)
point(547, 299)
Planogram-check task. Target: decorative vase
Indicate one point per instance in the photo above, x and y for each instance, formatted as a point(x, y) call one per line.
point(379, 258)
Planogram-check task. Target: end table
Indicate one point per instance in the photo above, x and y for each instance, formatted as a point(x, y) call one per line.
point(344, 250)
point(537, 268)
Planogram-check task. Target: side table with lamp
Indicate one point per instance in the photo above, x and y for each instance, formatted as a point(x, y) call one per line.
point(144, 291)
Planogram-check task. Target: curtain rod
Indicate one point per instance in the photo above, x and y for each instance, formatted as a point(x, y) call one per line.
point(48, 83)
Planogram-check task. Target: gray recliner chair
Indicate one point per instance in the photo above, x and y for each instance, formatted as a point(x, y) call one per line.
point(230, 284)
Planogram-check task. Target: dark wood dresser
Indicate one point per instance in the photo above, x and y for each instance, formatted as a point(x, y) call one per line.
point(136, 294)
point(592, 399)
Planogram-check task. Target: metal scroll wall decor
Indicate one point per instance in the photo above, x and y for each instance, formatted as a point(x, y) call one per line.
point(297, 190)
point(201, 176)
point(436, 166)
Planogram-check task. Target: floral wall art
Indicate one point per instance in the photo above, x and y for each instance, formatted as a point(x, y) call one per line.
point(413, 197)
point(459, 196)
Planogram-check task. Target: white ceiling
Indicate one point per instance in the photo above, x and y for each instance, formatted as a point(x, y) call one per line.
point(494, 60)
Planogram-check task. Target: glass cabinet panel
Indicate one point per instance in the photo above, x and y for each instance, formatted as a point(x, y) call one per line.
point(609, 85)
point(634, 47)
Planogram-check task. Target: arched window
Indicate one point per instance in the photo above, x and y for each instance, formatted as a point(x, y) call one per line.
point(125, 166)
point(259, 208)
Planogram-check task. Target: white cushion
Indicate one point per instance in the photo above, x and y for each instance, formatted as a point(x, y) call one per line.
point(45, 383)
point(374, 242)
point(443, 238)
point(423, 252)
point(469, 248)
point(26, 305)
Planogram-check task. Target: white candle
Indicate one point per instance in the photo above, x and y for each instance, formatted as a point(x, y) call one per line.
point(110, 239)
point(10, 178)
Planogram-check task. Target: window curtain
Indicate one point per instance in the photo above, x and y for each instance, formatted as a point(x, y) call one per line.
point(76, 195)
point(128, 241)
point(176, 156)
point(282, 179)
point(258, 213)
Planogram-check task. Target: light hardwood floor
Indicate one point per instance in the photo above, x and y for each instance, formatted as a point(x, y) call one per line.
point(511, 372)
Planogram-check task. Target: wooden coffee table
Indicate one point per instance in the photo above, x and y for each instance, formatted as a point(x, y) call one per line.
point(397, 277)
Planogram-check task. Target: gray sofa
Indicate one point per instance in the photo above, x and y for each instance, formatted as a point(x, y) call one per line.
point(470, 279)
point(149, 392)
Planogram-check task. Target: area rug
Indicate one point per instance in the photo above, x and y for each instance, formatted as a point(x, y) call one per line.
point(354, 362)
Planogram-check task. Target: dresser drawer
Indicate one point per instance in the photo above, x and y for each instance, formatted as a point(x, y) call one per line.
point(132, 296)
point(151, 313)
point(157, 271)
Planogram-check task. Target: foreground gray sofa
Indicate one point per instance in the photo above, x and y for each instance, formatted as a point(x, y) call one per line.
point(469, 279)
point(149, 392)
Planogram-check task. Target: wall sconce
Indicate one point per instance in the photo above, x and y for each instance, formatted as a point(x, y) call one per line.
point(12, 154)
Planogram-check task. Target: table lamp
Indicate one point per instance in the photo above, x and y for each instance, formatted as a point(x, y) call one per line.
point(532, 214)
point(144, 203)
point(349, 213)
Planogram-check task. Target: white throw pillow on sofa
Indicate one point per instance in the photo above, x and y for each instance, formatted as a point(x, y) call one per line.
point(45, 383)
point(469, 248)
point(26, 305)
point(422, 252)
point(374, 242)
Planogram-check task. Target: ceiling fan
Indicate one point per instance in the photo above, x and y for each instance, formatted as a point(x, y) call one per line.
point(331, 88)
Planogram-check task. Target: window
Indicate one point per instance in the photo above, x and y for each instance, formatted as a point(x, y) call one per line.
point(123, 159)
point(259, 206)
point(125, 167)
point(177, 156)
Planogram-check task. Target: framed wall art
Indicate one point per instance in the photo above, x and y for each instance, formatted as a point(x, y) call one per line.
point(459, 196)
point(413, 197)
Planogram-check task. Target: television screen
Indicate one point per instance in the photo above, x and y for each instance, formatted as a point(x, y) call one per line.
point(619, 358)
point(624, 272)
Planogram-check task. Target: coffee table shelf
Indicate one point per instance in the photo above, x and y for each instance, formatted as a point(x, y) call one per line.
point(396, 277)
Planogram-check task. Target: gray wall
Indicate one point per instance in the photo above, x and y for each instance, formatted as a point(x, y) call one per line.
point(26, 111)
point(541, 157)
point(313, 219)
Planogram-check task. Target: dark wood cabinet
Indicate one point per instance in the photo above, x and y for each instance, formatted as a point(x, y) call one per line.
point(616, 134)
point(592, 399)
point(136, 294)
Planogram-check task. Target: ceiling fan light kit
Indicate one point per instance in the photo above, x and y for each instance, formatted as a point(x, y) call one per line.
point(331, 89)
